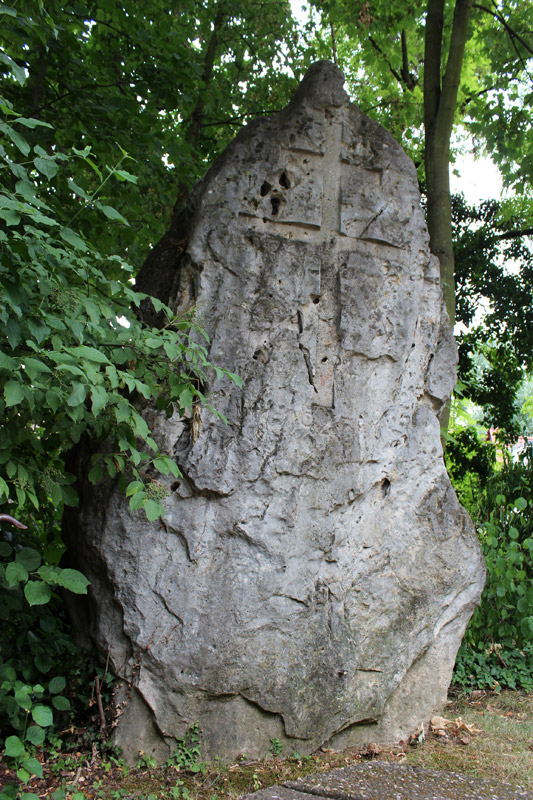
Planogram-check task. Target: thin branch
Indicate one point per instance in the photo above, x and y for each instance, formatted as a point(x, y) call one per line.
point(515, 234)
point(376, 46)
point(100, 704)
point(333, 44)
point(107, 25)
point(512, 33)
point(239, 118)
point(409, 80)
point(432, 63)
point(77, 90)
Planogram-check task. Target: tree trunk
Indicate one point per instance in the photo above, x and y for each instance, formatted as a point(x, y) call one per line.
point(440, 101)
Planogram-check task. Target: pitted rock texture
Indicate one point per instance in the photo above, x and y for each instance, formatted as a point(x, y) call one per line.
point(380, 780)
point(315, 573)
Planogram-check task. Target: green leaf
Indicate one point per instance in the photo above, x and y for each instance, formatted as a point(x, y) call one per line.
point(14, 747)
point(29, 558)
point(153, 510)
point(53, 400)
point(33, 766)
point(9, 216)
point(46, 166)
point(61, 703)
point(73, 580)
point(112, 213)
point(43, 716)
point(57, 685)
point(18, 72)
point(95, 474)
point(77, 189)
point(161, 466)
point(137, 500)
point(134, 487)
point(23, 699)
point(29, 122)
point(23, 775)
point(13, 393)
point(37, 593)
point(521, 503)
point(43, 662)
point(127, 176)
point(15, 573)
point(172, 350)
point(90, 353)
point(77, 396)
point(15, 137)
point(35, 734)
point(186, 398)
point(73, 239)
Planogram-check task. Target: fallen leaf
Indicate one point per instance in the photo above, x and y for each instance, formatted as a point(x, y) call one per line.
point(440, 722)
point(371, 750)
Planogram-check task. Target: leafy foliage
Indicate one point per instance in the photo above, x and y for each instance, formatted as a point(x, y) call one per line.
point(498, 644)
point(470, 462)
point(71, 364)
point(494, 276)
point(176, 82)
point(186, 756)
point(68, 363)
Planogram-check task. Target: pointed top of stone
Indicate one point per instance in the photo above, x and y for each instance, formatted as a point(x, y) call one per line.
point(322, 86)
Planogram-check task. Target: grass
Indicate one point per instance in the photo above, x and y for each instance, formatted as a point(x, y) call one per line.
point(501, 747)
point(488, 735)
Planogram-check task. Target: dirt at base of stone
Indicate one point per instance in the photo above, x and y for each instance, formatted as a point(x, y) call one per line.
point(380, 780)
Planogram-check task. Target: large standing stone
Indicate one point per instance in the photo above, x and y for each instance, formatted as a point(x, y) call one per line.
point(315, 573)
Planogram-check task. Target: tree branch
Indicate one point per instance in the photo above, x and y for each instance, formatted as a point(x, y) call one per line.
point(432, 61)
point(452, 74)
point(516, 234)
point(376, 46)
point(195, 124)
point(512, 33)
point(409, 80)
point(333, 44)
point(239, 118)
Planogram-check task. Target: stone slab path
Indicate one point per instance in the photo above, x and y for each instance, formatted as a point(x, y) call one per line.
point(379, 780)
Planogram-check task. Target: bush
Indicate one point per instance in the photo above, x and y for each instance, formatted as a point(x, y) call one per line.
point(498, 644)
point(75, 360)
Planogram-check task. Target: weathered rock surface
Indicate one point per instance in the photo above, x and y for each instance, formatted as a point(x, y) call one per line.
point(379, 780)
point(315, 572)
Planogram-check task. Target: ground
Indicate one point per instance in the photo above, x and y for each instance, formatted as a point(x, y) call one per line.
point(487, 734)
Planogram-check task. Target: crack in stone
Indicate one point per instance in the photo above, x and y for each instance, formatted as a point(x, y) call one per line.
point(310, 370)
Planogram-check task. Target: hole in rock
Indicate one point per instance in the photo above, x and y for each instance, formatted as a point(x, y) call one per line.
point(174, 486)
point(284, 181)
point(316, 300)
point(324, 359)
point(256, 355)
point(265, 188)
point(276, 202)
point(385, 487)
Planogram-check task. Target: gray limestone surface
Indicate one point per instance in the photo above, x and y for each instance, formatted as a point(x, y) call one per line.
point(379, 780)
point(314, 573)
